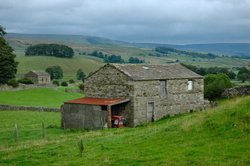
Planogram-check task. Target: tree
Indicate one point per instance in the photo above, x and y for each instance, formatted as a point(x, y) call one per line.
point(8, 65)
point(214, 85)
point(80, 75)
point(243, 74)
point(56, 50)
point(55, 72)
point(114, 59)
point(135, 60)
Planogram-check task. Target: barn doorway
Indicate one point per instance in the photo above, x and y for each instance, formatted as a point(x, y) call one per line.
point(150, 112)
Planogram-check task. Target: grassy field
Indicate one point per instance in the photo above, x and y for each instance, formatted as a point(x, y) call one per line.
point(90, 64)
point(218, 136)
point(69, 66)
point(45, 97)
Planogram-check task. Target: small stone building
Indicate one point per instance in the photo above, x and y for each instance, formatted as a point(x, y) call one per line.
point(38, 77)
point(140, 93)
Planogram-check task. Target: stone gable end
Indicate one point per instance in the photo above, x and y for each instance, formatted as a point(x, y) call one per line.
point(108, 82)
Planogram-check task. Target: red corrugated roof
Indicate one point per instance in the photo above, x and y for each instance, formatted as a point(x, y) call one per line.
point(97, 101)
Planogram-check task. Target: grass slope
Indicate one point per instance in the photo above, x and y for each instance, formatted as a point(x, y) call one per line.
point(46, 97)
point(217, 136)
point(80, 45)
point(69, 66)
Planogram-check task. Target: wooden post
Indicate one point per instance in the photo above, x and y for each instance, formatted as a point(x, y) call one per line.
point(109, 116)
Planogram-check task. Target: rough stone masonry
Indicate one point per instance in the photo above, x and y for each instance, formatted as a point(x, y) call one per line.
point(154, 91)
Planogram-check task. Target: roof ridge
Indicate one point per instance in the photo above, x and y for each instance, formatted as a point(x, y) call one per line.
point(155, 71)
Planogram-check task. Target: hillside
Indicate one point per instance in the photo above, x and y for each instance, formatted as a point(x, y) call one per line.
point(69, 66)
point(22, 40)
point(85, 45)
point(229, 49)
point(217, 136)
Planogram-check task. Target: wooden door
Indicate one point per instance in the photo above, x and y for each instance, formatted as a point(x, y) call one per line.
point(150, 112)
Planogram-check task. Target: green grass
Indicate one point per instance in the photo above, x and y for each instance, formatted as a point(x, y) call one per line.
point(45, 97)
point(90, 64)
point(240, 83)
point(69, 66)
point(217, 136)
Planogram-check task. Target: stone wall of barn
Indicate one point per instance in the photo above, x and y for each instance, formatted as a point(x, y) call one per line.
point(178, 98)
point(109, 82)
point(41, 79)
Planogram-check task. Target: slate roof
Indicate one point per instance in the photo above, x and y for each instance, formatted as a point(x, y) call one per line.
point(40, 73)
point(155, 72)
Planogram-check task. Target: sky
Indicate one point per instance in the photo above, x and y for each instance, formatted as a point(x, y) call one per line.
point(153, 21)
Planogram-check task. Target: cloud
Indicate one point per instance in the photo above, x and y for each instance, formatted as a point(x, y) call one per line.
point(179, 21)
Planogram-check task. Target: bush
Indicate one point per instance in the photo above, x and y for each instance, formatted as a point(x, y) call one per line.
point(55, 82)
point(12, 83)
point(243, 74)
point(81, 86)
point(71, 81)
point(25, 81)
point(80, 75)
point(214, 85)
point(64, 83)
point(55, 72)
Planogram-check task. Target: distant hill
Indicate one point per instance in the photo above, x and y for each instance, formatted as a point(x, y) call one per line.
point(78, 39)
point(233, 49)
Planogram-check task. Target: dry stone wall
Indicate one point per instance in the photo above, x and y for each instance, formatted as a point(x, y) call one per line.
point(28, 108)
point(237, 91)
point(23, 87)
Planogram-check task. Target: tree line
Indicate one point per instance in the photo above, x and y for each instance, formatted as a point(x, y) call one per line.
point(166, 50)
point(56, 50)
point(211, 70)
point(114, 58)
point(243, 73)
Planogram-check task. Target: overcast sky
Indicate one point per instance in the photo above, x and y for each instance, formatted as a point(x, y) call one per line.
point(162, 21)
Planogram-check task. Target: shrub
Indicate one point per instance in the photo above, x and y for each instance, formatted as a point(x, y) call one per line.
point(64, 83)
point(81, 86)
point(71, 81)
point(214, 85)
point(12, 83)
point(55, 72)
point(25, 81)
point(55, 82)
point(80, 75)
point(243, 74)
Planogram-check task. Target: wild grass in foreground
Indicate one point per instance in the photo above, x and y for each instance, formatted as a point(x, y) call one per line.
point(217, 136)
point(44, 97)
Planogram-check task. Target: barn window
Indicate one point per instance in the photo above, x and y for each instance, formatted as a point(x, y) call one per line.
point(190, 85)
point(162, 88)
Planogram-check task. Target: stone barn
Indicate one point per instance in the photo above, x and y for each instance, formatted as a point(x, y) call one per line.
point(38, 77)
point(140, 93)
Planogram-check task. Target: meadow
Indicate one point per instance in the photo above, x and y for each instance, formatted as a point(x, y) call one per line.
point(45, 97)
point(90, 64)
point(217, 136)
point(69, 65)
